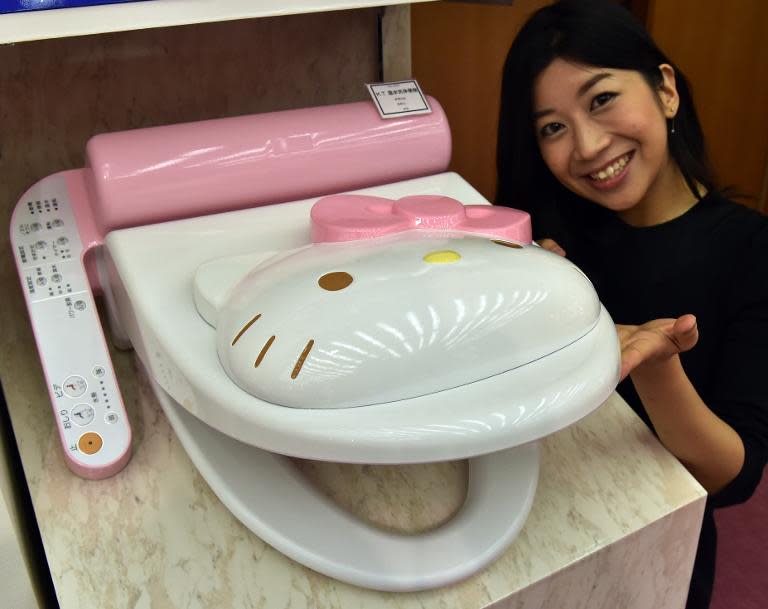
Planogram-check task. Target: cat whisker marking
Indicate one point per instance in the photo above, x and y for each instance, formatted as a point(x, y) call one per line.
point(245, 328)
point(302, 357)
point(263, 352)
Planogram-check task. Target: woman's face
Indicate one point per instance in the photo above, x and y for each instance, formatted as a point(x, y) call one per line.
point(603, 133)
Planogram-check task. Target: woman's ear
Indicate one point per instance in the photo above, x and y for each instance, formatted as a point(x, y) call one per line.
point(668, 96)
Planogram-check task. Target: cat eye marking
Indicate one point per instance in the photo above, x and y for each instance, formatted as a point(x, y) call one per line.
point(508, 244)
point(333, 282)
point(244, 329)
point(264, 350)
point(302, 357)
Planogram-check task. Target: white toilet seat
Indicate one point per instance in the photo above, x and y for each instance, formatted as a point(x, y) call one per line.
point(499, 496)
point(235, 440)
point(154, 290)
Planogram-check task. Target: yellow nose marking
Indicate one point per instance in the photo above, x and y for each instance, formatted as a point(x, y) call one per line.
point(442, 257)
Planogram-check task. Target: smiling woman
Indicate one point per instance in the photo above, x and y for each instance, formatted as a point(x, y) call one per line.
point(600, 142)
point(603, 135)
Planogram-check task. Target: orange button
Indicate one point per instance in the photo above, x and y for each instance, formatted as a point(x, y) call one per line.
point(90, 443)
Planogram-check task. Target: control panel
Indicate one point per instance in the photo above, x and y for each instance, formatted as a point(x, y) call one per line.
point(87, 406)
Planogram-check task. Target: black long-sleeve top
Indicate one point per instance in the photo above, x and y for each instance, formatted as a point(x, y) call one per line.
point(713, 262)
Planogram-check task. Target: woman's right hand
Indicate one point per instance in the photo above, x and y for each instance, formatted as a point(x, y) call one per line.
point(552, 246)
point(655, 341)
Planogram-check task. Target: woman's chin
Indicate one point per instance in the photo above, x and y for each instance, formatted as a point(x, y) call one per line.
point(614, 200)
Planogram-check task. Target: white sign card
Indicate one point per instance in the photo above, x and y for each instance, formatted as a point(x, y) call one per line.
point(394, 99)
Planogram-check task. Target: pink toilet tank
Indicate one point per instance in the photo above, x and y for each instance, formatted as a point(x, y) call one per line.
point(161, 173)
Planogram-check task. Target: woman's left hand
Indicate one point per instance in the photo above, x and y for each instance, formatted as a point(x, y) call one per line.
point(655, 341)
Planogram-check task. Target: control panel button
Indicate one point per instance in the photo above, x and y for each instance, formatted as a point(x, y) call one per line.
point(82, 414)
point(35, 226)
point(111, 418)
point(41, 281)
point(74, 386)
point(57, 223)
point(62, 240)
point(56, 278)
point(98, 371)
point(90, 443)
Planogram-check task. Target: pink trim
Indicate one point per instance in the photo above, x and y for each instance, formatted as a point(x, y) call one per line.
point(90, 236)
point(353, 217)
point(80, 198)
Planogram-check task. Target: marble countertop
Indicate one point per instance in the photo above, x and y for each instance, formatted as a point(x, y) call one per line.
point(156, 536)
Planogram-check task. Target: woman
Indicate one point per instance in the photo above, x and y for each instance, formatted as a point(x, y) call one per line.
point(599, 141)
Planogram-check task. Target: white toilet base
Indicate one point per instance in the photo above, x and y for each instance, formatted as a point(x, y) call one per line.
point(267, 494)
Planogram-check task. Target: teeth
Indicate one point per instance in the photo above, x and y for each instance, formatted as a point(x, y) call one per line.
point(612, 169)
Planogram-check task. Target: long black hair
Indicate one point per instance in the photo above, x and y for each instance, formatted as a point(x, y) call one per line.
point(596, 33)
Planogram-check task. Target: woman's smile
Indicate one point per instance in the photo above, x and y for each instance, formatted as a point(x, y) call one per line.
point(611, 174)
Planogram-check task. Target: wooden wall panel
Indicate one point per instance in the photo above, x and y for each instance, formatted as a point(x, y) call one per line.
point(458, 52)
point(723, 49)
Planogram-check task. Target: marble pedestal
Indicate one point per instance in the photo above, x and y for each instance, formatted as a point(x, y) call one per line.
point(614, 523)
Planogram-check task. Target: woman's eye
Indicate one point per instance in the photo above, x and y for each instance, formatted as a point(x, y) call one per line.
point(601, 99)
point(550, 129)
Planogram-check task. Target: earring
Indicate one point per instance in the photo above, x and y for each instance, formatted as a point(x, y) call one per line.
point(672, 126)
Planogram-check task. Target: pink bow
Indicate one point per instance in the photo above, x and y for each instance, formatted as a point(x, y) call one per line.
point(354, 217)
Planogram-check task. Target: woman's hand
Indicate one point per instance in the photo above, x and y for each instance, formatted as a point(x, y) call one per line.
point(655, 341)
point(708, 447)
point(552, 246)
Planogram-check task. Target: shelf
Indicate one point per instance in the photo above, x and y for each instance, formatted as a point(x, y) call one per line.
point(62, 23)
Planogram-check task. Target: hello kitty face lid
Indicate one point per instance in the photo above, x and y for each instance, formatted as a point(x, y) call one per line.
point(393, 300)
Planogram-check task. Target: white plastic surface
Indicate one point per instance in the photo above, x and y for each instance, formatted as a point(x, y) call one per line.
point(153, 269)
point(269, 495)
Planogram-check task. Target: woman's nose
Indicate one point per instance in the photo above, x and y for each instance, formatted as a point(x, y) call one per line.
point(590, 141)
